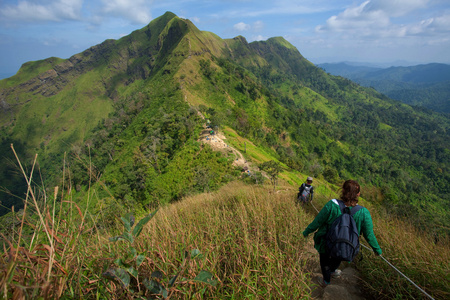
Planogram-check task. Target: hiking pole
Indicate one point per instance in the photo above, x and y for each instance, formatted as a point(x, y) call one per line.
point(314, 207)
point(392, 266)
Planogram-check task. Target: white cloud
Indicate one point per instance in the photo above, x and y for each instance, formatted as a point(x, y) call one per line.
point(441, 23)
point(252, 8)
point(259, 38)
point(395, 8)
point(374, 18)
point(241, 26)
point(258, 26)
point(31, 11)
point(255, 26)
point(137, 11)
point(382, 29)
point(356, 18)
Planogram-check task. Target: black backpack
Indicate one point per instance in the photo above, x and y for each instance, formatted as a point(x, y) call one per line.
point(342, 239)
point(305, 193)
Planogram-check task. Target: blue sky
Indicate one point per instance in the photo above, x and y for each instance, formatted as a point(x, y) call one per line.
point(374, 31)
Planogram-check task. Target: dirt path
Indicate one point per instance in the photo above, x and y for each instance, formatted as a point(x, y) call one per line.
point(346, 287)
point(218, 143)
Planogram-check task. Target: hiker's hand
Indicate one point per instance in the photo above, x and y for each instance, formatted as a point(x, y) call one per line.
point(377, 254)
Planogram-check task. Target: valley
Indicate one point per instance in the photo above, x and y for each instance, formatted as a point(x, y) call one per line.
point(125, 128)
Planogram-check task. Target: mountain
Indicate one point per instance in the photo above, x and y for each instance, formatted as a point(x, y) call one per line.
point(423, 85)
point(126, 117)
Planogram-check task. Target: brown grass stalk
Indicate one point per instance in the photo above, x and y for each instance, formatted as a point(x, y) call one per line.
point(28, 179)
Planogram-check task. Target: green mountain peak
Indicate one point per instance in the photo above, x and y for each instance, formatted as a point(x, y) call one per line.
point(135, 109)
point(281, 41)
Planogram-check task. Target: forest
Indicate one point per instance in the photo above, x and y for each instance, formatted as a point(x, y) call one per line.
point(143, 138)
point(109, 192)
point(426, 85)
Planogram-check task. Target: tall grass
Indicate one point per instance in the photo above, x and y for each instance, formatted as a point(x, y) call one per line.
point(250, 238)
point(39, 255)
point(414, 253)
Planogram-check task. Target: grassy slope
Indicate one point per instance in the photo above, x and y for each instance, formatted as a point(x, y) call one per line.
point(237, 275)
point(30, 70)
point(74, 111)
point(334, 100)
point(62, 118)
point(250, 239)
point(337, 98)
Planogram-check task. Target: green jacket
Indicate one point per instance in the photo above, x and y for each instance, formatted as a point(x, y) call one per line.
point(328, 214)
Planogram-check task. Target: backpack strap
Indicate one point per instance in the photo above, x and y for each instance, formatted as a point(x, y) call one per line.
point(300, 189)
point(341, 205)
point(353, 211)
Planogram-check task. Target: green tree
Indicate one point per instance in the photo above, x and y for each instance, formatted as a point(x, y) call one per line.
point(272, 168)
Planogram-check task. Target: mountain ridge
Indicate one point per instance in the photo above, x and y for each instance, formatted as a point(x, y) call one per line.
point(426, 85)
point(130, 107)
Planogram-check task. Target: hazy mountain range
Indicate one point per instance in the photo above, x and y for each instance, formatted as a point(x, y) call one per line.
point(426, 85)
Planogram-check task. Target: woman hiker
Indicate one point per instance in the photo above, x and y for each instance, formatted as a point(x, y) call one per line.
point(349, 195)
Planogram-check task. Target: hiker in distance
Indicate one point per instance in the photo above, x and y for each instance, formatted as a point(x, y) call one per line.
point(306, 191)
point(332, 252)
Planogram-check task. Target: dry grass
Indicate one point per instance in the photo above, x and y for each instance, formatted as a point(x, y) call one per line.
point(417, 255)
point(250, 239)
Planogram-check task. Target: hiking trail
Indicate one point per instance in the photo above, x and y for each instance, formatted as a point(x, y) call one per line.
point(217, 143)
point(346, 287)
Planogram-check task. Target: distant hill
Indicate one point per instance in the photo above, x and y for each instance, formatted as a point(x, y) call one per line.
point(422, 85)
point(126, 115)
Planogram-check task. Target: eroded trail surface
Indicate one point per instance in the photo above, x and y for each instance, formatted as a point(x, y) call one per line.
point(346, 287)
point(217, 141)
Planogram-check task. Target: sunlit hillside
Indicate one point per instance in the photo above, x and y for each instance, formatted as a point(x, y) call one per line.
point(215, 135)
point(240, 242)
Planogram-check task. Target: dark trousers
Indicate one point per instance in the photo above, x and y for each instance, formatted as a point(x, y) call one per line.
point(328, 265)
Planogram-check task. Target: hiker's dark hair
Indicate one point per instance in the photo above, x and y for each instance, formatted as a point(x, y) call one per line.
point(349, 192)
